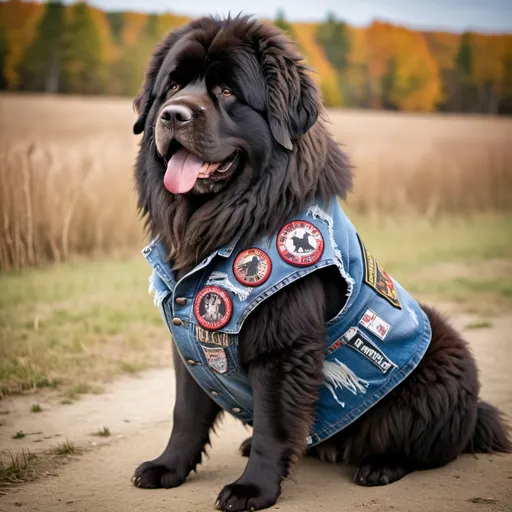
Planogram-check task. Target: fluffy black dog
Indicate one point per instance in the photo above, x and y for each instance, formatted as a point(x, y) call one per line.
point(302, 244)
point(230, 100)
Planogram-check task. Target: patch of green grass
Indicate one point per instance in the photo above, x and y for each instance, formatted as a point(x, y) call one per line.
point(80, 318)
point(102, 432)
point(18, 467)
point(19, 435)
point(132, 367)
point(65, 448)
point(74, 392)
point(481, 324)
point(463, 260)
point(36, 408)
point(94, 320)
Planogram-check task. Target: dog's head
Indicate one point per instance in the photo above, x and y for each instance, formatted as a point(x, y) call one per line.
point(220, 96)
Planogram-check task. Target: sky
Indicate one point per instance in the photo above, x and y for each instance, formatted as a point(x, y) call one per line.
point(451, 15)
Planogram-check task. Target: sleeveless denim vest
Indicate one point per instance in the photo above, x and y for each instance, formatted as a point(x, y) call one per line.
point(371, 345)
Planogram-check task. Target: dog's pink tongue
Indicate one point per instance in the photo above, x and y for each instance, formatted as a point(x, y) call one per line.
point(182, 171)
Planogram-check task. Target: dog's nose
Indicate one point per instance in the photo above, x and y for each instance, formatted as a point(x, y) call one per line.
point(177, 114)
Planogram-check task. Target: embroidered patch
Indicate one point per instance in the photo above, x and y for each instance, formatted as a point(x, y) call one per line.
point(217, 359)
point(378, 279)
point(252, 267)
point(300, 243)
point(375, 324)
point(357, 341)
point(212, 308)
point(211, 337)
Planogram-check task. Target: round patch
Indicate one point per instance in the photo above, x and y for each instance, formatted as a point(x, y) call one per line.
point(212, 308)
point(300, 243)
point(252, 267)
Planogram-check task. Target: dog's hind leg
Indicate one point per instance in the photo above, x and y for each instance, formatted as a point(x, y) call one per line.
point(194, 415)
point(427, 421)
point(381, 470)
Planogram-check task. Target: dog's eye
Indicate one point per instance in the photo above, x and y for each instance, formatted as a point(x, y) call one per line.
point(174, 86)
point(226, 92)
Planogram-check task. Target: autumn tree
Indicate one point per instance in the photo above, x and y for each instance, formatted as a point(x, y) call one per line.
point(42, 66)
point(85, 70)
point(18, 21)
point(401, 70)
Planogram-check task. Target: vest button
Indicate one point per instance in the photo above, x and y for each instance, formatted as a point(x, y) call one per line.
point(236, 410)
point(177, 321)
point(214, 393)
point(181, 301)
point(191, 362)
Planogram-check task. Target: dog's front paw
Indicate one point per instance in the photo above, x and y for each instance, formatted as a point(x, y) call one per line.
point(246, 496)
point(155, 475)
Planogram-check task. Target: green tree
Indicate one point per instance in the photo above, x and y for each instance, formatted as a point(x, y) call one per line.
point(464, 66)
point(3, 54)
point(281, 22)
point(389, 83)
point(334, 37)
point(505, 106)
point(115, 22)
point(85, 72)
point(152, 27)
point(464, 57)
point(42, 65)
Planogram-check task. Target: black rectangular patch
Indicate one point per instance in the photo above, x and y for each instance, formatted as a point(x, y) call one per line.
point(357, 341)
point(377, 278)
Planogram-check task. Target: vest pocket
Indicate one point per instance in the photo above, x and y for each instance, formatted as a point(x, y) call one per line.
point(219, 350)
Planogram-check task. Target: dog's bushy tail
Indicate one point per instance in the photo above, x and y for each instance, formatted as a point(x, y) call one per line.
point(491, 431)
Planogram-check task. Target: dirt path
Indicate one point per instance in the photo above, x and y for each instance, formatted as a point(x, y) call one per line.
point(137, 411)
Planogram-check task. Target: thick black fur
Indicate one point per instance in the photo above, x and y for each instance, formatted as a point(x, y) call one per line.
point(288, 158)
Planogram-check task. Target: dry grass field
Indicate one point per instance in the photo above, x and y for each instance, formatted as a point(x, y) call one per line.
point(433, 200)
point(66, 171)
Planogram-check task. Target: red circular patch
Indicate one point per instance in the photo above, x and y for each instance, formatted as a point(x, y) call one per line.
point(300, 243)
point(252, 267)
point(212, 308)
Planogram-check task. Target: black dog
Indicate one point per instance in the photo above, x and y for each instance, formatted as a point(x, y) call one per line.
point(302, 243)
point(230, 102)
point(251, 268)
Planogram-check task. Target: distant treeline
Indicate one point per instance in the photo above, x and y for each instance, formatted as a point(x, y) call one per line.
point(79, 49)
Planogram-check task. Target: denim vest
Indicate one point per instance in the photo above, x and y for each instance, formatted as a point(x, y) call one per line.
point(371, 345)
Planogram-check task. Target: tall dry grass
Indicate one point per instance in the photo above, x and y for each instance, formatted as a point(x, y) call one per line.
point(66, 184)
point(54, 207)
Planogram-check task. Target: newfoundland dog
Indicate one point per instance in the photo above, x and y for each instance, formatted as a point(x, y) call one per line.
point(279, 313)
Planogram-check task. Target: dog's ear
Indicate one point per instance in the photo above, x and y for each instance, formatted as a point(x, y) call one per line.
point(293, 101)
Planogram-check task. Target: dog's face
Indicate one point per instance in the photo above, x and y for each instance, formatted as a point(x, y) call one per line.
point(220, 96)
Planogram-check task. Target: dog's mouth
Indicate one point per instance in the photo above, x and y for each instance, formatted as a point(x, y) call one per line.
point(184, 168)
